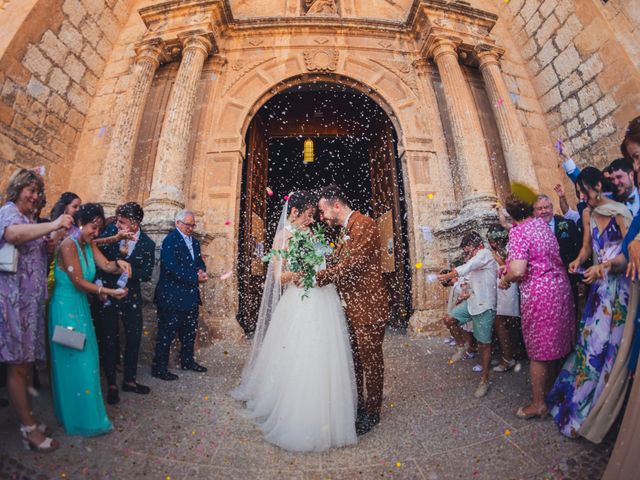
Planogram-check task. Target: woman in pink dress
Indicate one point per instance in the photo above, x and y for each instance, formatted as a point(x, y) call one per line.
point(546, 306)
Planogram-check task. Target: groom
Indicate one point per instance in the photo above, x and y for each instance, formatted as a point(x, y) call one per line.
point(356, 271)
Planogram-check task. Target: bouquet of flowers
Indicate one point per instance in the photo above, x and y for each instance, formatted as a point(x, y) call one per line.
point(307, 250)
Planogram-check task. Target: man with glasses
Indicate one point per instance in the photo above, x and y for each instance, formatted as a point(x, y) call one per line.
point(177, 296)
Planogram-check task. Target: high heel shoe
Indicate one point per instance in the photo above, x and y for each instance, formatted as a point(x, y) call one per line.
point(541, 413)
point(46, 446)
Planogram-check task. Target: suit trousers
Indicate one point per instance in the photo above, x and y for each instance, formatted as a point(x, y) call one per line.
point(108, 319)
point(368, 363)
point(170, 322)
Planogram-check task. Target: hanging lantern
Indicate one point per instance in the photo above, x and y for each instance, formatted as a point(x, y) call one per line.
point(308, 151)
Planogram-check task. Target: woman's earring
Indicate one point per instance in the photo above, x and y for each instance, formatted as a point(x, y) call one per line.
point(598, 197)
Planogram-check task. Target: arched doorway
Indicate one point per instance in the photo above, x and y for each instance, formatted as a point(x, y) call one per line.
point(355, 146)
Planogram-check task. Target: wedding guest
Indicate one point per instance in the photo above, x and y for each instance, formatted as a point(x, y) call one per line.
point(140, 253)
point(22, 299)
point(480, 308)
point(566, 234)
point(458, 292)
point(507, 301)
point(75, 375)
point(625, 190)
point(587, 370)
point(68, 204)
point(177, 296)
point(546, 309)
point(624, 459)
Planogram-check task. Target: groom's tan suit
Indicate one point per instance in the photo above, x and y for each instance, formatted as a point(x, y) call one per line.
point(356, 271)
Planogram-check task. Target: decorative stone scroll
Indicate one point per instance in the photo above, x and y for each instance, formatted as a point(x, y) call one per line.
point(321, 60)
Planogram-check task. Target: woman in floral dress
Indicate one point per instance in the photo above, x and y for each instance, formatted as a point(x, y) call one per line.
point(586, 371)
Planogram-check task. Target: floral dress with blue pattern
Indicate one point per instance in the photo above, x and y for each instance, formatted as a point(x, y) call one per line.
point(586, 370)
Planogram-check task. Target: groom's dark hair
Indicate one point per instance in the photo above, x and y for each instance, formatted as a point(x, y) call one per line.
point(334, 193)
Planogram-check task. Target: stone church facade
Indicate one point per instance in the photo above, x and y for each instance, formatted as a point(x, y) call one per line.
point(153, 101)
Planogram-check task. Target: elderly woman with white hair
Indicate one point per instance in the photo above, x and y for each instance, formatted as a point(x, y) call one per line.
point(177, 296)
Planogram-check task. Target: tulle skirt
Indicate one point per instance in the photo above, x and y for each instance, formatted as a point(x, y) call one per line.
point(301, 391)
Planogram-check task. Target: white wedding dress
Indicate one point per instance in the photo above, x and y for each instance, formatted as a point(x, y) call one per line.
point(300, 387)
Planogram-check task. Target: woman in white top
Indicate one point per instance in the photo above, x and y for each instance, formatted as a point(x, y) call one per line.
point(508, 301)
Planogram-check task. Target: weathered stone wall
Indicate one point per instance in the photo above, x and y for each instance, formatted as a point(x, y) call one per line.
point(589, 87)
point(49, 70)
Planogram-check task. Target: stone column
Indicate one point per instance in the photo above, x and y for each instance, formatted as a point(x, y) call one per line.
point(472, 163)
point(117, 167)
point(167, 189)
point(514, 144)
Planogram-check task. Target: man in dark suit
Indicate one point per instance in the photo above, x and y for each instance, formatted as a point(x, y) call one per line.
point(178, 296)
point(139, 250)
point(567, 234)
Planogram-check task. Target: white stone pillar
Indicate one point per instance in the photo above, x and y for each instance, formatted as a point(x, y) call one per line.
point(167, 189)
point(472, 162)
point(514, 144)
point(117, 166)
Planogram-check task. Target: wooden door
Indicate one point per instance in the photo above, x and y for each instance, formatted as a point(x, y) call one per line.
point(251, 270)
point(386, 207)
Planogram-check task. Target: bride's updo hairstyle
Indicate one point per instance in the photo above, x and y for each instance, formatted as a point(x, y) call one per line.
point(301, 201)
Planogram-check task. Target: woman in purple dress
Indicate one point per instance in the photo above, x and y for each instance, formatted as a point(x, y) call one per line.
point(588, 370)
point(546, 308)
point(22, 298)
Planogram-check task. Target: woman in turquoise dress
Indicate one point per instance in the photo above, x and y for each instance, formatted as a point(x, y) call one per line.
point(76, 373)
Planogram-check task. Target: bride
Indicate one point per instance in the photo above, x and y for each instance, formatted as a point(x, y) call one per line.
point(298, 382)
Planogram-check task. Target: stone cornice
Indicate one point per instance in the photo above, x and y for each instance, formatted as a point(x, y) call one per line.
point(428, 21)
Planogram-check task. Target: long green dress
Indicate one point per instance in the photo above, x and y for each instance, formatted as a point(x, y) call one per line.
point(76, 374)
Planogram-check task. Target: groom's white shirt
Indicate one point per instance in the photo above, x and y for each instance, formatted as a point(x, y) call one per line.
point(346, 220)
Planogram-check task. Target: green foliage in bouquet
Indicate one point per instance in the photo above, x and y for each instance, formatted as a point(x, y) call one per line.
point(307, 250)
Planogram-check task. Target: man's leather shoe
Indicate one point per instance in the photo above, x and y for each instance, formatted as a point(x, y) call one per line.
point(136, 388)
point(113, 396)
point(195, 367)
point(366, 424)
point(166, 375)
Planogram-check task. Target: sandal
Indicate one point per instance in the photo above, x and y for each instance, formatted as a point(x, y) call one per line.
point(540, 413)
point(46, 446)
point(505, 366)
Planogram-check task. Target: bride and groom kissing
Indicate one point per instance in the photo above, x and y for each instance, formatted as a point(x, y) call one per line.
point(311, 360)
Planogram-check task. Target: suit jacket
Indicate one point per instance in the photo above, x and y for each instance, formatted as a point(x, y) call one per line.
point(356, 271)
point(142, 260)
point(569, 239)
point(177, 288)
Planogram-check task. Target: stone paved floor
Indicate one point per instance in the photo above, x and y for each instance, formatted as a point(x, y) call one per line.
point(432, 428)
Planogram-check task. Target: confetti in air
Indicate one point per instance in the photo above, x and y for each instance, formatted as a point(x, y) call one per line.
point(269, 192)
point(500, 103)
point(432, 277)
point(418, 265)
point(560, 146)
point(227, 222)
point(225, 276)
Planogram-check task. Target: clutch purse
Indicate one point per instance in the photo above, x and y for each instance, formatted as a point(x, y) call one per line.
point(8, 258)
point(68, 337)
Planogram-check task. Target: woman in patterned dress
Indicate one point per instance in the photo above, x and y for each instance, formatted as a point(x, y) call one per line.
point(546, 308)
point(22, 298)
point(586, 371)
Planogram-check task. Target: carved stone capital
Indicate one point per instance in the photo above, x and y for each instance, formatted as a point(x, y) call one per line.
point(444, 46)
point(196, 40)
point(487, 54)
point(150, 51)
point(421, 66)
point(321, 60)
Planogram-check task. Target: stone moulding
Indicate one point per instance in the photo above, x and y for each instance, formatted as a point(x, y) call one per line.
point(321, 60)
point(240, 69)
point(401, 69)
